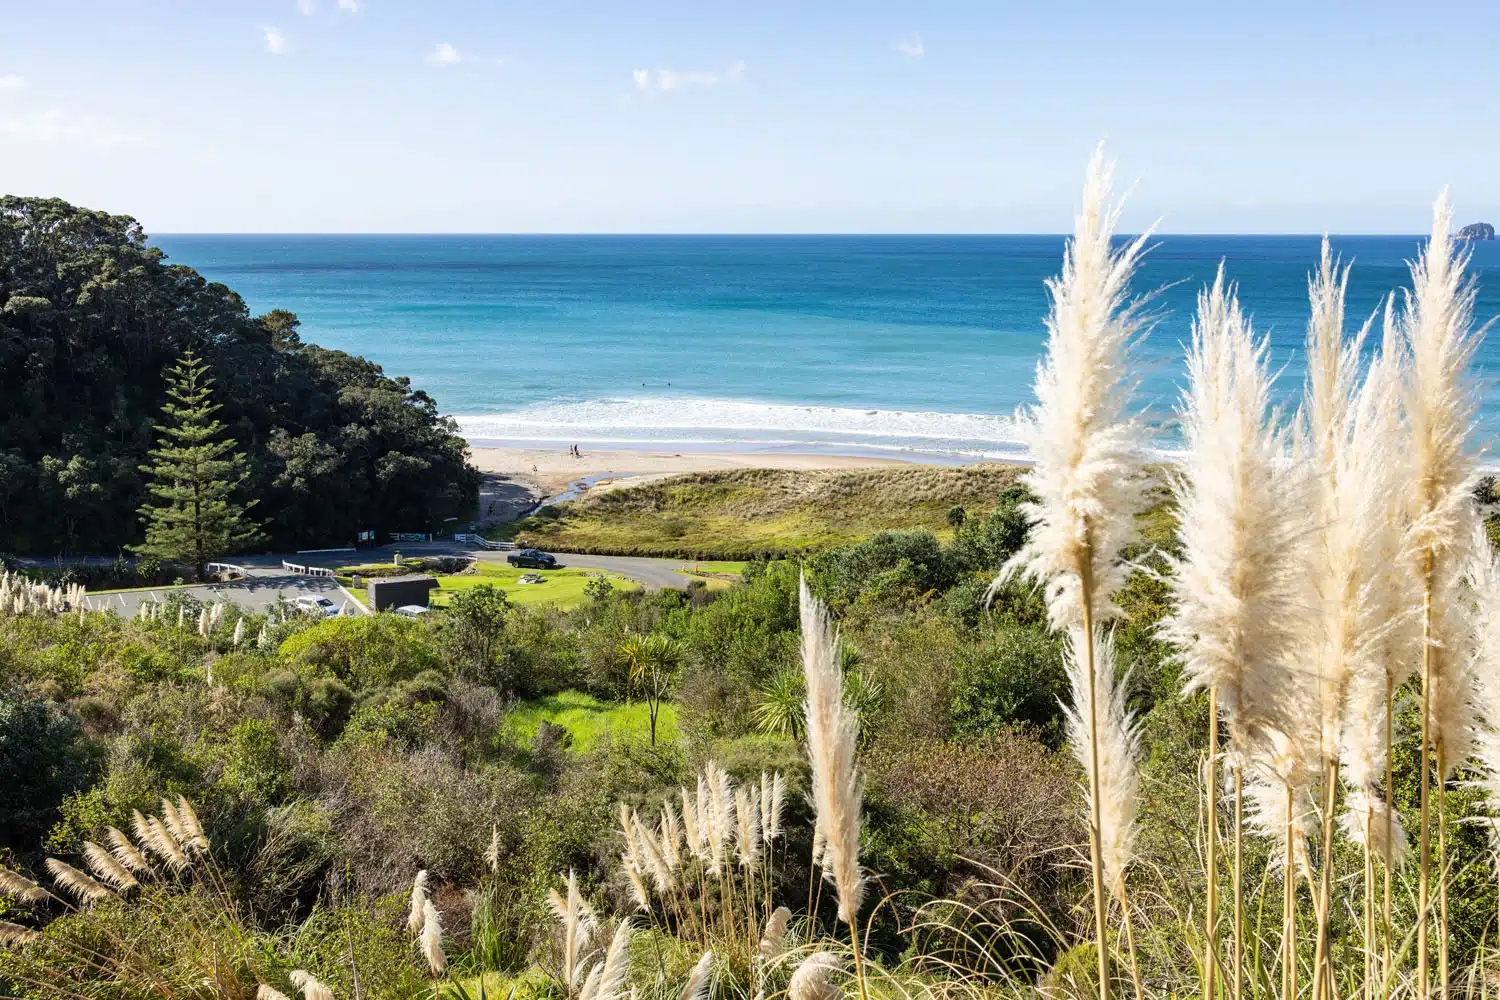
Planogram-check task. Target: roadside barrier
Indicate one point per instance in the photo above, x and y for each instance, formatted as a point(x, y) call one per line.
point(230, 568)
point(305, 570)
point(483, 542)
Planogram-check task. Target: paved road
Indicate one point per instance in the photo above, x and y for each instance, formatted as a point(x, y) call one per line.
point(651, 572)
point(268, 581)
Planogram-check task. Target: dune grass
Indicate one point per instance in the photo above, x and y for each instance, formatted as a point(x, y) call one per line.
point(562, 587)
point(749, 513)
point(586, 719)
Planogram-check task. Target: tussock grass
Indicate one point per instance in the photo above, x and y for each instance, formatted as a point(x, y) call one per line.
point(750, 513)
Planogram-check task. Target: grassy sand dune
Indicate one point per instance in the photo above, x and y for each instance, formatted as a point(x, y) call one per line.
point(743, 513)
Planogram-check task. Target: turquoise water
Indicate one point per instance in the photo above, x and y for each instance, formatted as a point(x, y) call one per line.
point(885, 344)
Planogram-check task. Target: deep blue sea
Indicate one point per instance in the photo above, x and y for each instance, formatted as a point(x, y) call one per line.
point(902, 345)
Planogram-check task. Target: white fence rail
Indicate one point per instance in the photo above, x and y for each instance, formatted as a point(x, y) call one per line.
point(483, 542)
point(301, 570)
point(230, 568)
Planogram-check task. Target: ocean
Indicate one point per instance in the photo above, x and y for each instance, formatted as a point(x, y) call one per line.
point(915, 347)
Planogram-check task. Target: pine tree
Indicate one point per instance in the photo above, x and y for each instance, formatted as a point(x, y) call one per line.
point(195, 471)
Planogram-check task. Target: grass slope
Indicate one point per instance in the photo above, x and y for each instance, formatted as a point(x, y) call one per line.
point(748, 513)
point(563, 587)
point(586, 719)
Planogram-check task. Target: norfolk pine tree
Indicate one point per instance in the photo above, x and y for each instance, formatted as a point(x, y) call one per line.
point(192, 516)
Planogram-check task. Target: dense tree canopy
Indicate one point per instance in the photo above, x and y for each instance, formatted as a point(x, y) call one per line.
point(90, 315)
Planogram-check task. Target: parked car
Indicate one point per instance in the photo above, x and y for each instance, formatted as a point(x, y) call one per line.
point(411, 610)
point(533, 559)
point(322, 607)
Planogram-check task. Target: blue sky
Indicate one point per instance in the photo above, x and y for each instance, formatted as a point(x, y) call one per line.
point(876, 116)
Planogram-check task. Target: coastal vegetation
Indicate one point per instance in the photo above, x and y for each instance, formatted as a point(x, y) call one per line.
point(1224, 729)
point(749, 513)
point(91, 316)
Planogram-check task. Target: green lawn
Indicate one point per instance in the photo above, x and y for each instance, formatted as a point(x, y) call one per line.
point(563, 587)
point(587, 718)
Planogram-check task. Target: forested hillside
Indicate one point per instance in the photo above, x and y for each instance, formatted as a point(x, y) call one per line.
point(91, 314)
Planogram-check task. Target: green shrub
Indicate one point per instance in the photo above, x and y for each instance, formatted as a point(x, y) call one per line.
point(365, 653)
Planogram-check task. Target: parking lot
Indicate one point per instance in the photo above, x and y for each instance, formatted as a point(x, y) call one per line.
point(256, 593)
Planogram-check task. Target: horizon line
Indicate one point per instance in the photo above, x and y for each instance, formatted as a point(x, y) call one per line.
point(664, 234)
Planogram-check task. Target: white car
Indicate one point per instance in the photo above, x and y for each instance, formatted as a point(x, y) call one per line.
point(411, 610)
point(321, 607)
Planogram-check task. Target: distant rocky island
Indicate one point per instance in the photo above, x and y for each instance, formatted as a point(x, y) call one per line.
point(1477, 231)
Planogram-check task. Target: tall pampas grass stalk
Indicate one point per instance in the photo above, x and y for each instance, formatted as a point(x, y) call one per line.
point(1235, 586)
point(832, 733)
point(1376, 469)
point(1350, 560)
point(1088, 454)
point(1436, 324)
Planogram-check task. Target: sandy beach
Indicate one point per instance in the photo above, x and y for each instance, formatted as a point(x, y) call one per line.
point(515, 479)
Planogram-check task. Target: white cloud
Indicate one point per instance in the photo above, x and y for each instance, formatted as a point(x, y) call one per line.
point(307, 8)
point(352, 6)
point(661, 81)
point(55, 127)
point(444, 54)
point(276, 42)
point(12, 81)
point(911, 47)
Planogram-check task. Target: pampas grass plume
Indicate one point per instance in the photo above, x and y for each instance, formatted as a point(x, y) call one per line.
point(107, 868)
point(832, 733)
point(775, 933)
point(1238, 607)
point(696, 987)
point(813, 979)
point(1086, 448)
point(20, 888)
point(16, 936)
point(266, 992)
point(432, 940)
point(310, 987)
point(1118, 786)
point(82, 887)
point(415, 914)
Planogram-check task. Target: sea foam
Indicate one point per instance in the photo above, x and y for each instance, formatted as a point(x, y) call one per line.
point(659, 423)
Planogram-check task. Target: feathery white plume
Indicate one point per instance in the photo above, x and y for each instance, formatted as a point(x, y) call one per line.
point(21, 888)
point(16, 936)
point(415, 913)
point(772, 804)
point(696, 987)
point(432, 939)
point(82, 887)
point(813, 979)
point(747, 825)
point(1441, 399)
point(606, 980)
point(1238, 611)
point(126, 853)
point(492, 852)
point(1087, 449)
point(310, 987)
point(1118, 785)
point(578, 929)
point(832, 734)
point(775, 932)
point(1377, 449)
point(106, 868)
point(267, 992)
